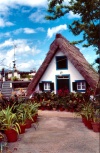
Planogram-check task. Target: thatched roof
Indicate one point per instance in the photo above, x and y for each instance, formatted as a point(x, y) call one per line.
point(76, 58)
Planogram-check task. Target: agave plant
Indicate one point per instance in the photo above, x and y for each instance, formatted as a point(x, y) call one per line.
point(87, 110)
point(8, 120)
point(22, 112)
point(96, 116)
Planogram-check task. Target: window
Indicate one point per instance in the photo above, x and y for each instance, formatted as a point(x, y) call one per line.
point(81, 85)
point(61, 62)
point(46, 86)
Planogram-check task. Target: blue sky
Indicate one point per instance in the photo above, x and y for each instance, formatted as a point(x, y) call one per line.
point(24, 30)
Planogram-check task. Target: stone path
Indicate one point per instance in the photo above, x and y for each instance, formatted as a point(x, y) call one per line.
point(57, 132)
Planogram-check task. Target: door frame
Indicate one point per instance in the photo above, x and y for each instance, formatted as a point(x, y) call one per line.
point(68, 75)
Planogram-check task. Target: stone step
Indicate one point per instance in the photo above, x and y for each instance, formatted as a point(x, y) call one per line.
point(6, 90)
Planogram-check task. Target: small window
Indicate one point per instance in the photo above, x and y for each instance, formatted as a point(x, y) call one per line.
point(61, 62)
point(81, 85)
point(46, 86)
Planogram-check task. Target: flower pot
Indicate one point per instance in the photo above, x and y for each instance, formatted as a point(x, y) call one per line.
point(96, 127)
point(22, 128)
point(87, 122)
point(28, 123)
point(54, 109)
point(84, 120)
point(1, 138)
point(42, 108)
point(71, 110)
point(66, 110)
point(61, 109)
point(35, 118)
point(12, 135)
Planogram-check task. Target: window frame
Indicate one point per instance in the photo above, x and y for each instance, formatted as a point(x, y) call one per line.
point(75, 85)
point(57, 59)
point(46, 86)
point(81, 86)
point(42, 88)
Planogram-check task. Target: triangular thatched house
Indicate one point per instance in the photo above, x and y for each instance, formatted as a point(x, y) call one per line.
point(63, 67)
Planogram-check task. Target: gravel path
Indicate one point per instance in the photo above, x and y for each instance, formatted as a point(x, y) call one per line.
point(57, 132)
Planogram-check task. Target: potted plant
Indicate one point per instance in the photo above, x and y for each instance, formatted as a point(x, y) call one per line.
point(1, 137)
point(86, 113)
point(34, 110)
point(24, 115)
point(31, 112)
point(9, 124)
point(21, 116)
point(43, 105)
point(96, 121)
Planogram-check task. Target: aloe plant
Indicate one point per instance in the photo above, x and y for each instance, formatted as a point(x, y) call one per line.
point(87, 110)
point(8, 120)
point(26, 111)
point(96, 116)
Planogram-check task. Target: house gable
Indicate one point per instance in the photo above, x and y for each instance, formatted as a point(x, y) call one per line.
point(74, 56)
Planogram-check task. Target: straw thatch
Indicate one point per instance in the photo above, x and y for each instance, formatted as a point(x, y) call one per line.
point(76, 58)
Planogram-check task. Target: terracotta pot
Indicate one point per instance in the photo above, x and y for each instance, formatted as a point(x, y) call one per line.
point(54, 109)
point(66, 110)
point(35, 118)
point(96, 127)
point(22, 128)
point(62, 109)
point(87, 122)
point(1, 139)
point(11, 135)
point(71, 110)
point(84, 120)
point(42, 108)
point(28, 123)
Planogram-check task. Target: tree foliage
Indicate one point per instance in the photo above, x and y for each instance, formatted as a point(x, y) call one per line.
point(89, 22)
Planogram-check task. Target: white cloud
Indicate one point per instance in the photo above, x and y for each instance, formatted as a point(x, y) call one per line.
point(6, 5)
point(40, 29)
point(35, 51)
point(24, 54)
point(4, 23)
point(28, 30)
point(29, 65)
point(17, 31)
point(9, 23)
point(32, 3)
point(6, 43)
point(3, 9)
point(56, 29)
point(71, 15)
point(6, 34)
point(38, 17)
point(24, 30)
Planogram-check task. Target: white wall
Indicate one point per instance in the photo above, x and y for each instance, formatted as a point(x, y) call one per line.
point(51, 72)
point(9, 75)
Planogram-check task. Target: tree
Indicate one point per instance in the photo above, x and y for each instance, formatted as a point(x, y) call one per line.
point(89, 22)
